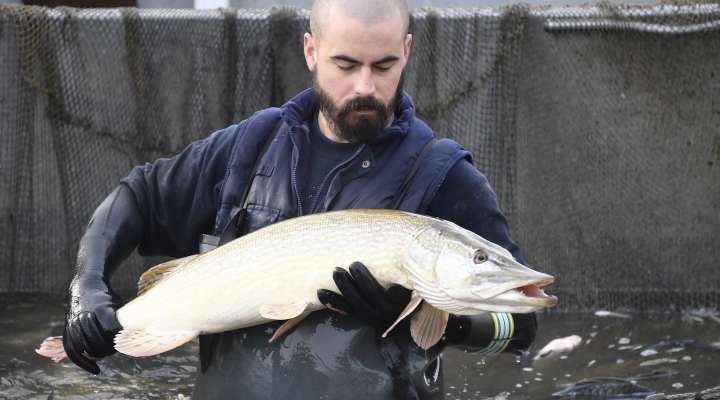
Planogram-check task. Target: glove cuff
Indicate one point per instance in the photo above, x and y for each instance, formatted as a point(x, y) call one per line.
point(492, 333)
point(503, 330)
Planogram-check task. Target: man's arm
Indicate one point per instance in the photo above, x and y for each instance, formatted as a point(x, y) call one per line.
point(162, 207)
point(178, 196)
point(466, 198)
point(91, 324)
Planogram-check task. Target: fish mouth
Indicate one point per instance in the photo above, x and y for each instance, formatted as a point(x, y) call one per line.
point(535, 291)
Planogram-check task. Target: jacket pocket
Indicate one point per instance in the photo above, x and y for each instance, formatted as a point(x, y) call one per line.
point(258, 216)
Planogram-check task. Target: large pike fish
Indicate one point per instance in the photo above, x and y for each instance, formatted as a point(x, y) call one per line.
point(274, 273)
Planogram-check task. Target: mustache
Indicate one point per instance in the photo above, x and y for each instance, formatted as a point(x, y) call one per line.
point(363, 103)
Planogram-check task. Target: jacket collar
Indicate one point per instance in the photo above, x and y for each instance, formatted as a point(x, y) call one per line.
point(298, 111)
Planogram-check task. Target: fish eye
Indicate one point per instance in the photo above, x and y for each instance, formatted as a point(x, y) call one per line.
point(480, 257)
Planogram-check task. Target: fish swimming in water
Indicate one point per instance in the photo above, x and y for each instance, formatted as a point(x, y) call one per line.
point(274, 273)
point(604, 388)
point(605, 313)
point(678, 345)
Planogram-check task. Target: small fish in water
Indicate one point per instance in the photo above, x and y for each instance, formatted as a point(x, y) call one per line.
point(700, 315)
point(604, 389)
point(658, 361)
point(560, 345)
point(693, 319)
point(673, 346)
point(605, 313)
point(661, 373)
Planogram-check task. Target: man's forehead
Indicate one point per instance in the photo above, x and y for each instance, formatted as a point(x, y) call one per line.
point(361, 42)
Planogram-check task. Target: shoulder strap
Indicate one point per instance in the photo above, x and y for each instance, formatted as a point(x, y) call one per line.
point(237, 214)
point(413, 171)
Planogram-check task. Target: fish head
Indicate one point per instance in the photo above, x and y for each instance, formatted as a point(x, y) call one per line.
point(471, 275)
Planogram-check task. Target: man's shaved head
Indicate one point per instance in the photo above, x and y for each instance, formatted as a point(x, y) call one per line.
point(369, 12)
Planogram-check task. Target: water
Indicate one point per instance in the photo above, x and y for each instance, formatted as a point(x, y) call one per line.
point(681, 354)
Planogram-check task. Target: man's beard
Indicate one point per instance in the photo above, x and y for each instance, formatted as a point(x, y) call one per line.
point(363, 128)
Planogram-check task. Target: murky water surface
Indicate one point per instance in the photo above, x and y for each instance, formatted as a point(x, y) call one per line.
point(669, 354)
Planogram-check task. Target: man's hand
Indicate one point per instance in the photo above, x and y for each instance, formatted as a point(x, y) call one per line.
point(91, 323)
point(364, 298)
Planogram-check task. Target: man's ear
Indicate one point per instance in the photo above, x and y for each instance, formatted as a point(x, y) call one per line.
point(310, 51)
point(408, 46)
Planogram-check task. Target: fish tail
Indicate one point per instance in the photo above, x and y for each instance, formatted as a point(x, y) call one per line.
point(52, 348)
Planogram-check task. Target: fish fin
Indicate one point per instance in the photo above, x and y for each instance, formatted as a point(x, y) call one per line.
point(159, 272)
point(143, 343)
point(52, 348)
point(428, 326)
point(283, 311)
point(287, 326)
point(415, 301)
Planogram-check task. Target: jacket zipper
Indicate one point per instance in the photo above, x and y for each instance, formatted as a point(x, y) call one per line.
point(331, 173)
point(293, 178)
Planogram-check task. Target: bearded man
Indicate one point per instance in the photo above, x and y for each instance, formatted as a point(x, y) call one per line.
point(350, 141)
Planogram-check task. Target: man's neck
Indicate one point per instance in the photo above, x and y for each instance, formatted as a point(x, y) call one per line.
point(329, 133)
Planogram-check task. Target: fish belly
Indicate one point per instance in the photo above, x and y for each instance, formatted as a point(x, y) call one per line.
point(279, 265)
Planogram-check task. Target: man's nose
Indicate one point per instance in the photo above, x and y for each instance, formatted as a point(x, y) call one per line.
point(364, 83)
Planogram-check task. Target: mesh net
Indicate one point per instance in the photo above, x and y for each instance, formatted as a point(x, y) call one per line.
point(599, 128)
point(618, 184)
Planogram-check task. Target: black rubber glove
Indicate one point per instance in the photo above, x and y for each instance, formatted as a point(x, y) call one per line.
point(91, 323)
point(364, 298)
point(478, 332)
point(525, 331)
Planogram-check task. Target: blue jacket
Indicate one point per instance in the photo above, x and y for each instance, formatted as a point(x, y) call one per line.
point(207, 179)
point(371, 178)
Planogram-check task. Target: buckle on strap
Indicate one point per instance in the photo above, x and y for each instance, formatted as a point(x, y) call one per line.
point(208, 242)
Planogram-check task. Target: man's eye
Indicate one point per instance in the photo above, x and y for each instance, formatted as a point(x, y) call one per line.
point(346, 67)
point(383, 67)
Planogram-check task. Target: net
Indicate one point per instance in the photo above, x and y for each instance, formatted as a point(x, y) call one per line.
point(598, 127)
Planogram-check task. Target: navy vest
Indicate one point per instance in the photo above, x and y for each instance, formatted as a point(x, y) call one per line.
point(372, 179)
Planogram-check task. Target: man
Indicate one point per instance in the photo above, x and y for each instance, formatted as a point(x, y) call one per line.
point(350, 142)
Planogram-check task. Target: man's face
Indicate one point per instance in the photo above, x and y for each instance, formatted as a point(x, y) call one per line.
point(357, 70)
